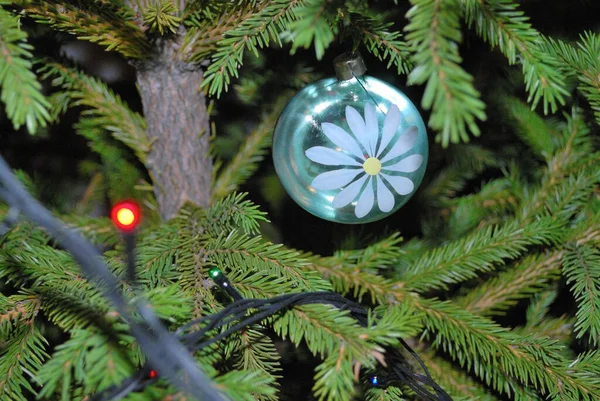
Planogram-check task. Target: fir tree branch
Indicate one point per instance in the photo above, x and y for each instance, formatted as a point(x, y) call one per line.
point(582, 269)
point(239, 251)
point(22, 353)
point(455, 381)
point(247, 159)
point(120, 175)
point(434, 31)
point(105, 108)
point(477, 252)
point(231, 213)
point(478, 343)
point(88, 360)
point(313, 26)
point(495, 296)
point(382, 42)
point(244, 386)
point(264, 25)
point(203, 35)
point(347, 276)
point(161, 17)
point(111, 30)
point(500, 23)
point(580, 62)
point(532, 128)
point(21, 92)
point(257, 353)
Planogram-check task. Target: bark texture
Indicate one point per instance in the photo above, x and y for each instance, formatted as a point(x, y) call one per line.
point(178, 128)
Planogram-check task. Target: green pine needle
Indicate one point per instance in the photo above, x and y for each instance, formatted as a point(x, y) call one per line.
point(110, 28)
point(104, 108)
point(313, 26)
point(261, 27)
point(20, 90)
point(434, 34)
point(582, 270)
point(480, 251)
point(161, 17)
point(502, 24)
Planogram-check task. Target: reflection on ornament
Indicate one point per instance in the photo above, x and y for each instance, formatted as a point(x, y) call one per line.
point(350, 150)
point(368, 161)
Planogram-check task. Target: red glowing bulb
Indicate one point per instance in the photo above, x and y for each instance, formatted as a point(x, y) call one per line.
point(126, 215)
point(152, 374)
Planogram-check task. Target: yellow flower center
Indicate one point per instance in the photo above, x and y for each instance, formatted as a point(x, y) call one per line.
point(372, 166)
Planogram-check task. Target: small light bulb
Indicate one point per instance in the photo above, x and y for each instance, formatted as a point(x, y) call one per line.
point(126, 215)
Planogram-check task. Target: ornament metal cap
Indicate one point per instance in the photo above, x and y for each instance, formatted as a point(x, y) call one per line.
point(348, 66)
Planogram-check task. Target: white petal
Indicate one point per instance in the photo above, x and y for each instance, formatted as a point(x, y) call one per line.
point(390, 126)
point(406, 141)
point(349, 193)
point(407, 165)
point(365, 202)
point(341, 139)
point(372, 128)
point(402, 185)
point(330, 157)
point(334, 179)
point(355, 122)
point(385, 198)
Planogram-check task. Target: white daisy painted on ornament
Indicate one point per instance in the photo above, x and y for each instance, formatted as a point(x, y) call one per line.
point(369, 163)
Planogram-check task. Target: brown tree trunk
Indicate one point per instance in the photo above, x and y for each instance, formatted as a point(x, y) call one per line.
point(178, 128)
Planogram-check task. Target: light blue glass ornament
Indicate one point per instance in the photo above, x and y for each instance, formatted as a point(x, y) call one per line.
point(350, 150)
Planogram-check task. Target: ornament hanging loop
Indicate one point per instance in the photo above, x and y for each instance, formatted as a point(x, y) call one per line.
point(349, 65)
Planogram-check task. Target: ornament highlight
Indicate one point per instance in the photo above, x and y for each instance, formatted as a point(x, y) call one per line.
point(350, 150)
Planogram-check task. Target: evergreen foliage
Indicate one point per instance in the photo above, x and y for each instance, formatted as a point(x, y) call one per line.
point(498, 291)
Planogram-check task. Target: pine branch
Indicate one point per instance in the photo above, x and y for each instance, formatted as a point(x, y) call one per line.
point(88, 360)
point(120, 175)
point(161, 17)
point(257, 353)
point(434, 32)
point(495, 296)
point(382, 42)
point(104, 108)
point(540, 306)
point(204, 34)
point(495, 200)
point(312, 25)
point(250, 154)
point(466, 162)
point(241, 252)
point(244, 386)
point(477, 252)
point(532, 129)
point(456, 382)
point(231, 213)
point(264, 25)
point(345, 277)
point(330, 332)
point(390, 393)
point(111, 30)
point(582, 269)
point(21, 92)
point(478, 343)
point(500, 23)
point(580, 62)
point(23, 353)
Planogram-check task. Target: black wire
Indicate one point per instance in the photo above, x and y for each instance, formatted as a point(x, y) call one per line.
point(166, 354)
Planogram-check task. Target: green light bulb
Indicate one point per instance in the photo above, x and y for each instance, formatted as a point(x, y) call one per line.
point(214, 272)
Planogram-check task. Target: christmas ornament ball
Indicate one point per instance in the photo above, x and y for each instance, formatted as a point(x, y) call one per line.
point(351, 149)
